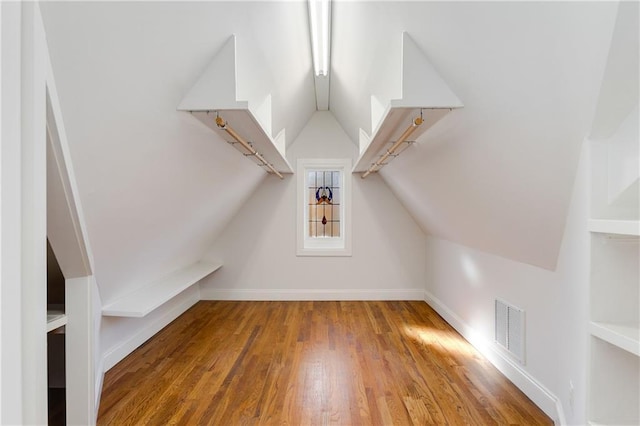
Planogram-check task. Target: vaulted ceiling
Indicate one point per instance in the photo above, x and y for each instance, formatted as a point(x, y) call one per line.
point(157, 186)
point(496, 175)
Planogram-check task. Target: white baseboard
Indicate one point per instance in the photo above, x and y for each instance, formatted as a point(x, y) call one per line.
point(122, 349)
point(312, 294)
point(540, 395)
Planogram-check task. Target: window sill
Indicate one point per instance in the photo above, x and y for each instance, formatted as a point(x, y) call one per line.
point(323, 252)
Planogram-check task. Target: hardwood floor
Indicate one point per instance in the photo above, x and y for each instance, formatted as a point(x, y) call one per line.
point(311, 363)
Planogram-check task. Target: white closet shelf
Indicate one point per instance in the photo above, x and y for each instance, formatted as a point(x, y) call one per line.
point(55, 319)
point(395, 120)
point(619, 227)
point(216, 93)
point(424, 94)
point(247, 124)
point(624, 336)
point(141, 302)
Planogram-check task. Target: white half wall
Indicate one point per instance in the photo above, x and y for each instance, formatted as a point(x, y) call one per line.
point(258, 248)
point(463, 284)
point(121, 336)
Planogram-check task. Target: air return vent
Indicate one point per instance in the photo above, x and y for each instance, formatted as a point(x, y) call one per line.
point(510, 329)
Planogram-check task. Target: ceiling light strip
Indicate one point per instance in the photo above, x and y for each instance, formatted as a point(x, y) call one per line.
point(403, 138)
point(319, 20)
point(222, 124)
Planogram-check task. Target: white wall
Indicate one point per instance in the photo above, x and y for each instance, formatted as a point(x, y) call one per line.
point(464, 282)
point(510, 155)
point(26, 78)
point(121, 336)
point(10, 215)
point(157, 185)
point(34, 225)
point(258, 247)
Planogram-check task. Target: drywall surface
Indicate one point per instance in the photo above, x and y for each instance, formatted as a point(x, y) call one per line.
point(156, 185)
point(121, 336)
point(572, 299)
point(497, 174)
point(10, 214)
point(258, 248)
point(467, 281)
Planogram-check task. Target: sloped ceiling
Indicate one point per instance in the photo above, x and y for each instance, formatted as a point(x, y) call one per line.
point(157, 186)
point(496, 175)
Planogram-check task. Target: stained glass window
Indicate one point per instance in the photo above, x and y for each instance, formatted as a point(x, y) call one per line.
point(323, 213)
point(323, 194)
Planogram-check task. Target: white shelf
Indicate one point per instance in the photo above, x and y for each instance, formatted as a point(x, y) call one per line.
point(216, 92)
point(143, 301)
point(395, 120)
point(55, 319)
point(247, 125)
point(618, 227)
point(624, 336)
point(422, 89)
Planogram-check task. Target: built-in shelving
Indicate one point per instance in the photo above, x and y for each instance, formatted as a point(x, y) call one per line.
point(148, 298)
point(614, 325)
point(394, 121)
point(55, 319)
point(616, 227)
point(424, 92)
point(624, 336)
point(215, 94)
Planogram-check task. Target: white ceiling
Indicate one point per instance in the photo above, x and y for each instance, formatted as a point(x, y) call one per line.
point(496, 175)
point(157, 187)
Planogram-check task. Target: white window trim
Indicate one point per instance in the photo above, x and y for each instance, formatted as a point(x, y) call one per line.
point(307, 246)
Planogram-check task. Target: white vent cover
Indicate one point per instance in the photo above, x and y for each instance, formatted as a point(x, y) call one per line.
point(510, 329)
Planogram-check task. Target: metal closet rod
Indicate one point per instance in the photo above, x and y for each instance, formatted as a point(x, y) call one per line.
point(222, 124)
point(414, 125)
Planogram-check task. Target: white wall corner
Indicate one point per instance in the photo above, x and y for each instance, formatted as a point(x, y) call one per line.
point(322, 85)
point(422, 85)
point(98, 363)
point(624, 158)
point(98, 388)
point(262, 294)
point(540, 395)
point(378, 111)
point(560, 419)
point(363, 140)
point(280, 142)
point(80, 358)
point(119, 351)
point(262, 112)
point(217, 86)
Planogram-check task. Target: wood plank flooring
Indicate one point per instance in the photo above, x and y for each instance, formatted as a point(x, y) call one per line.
point(311, 363)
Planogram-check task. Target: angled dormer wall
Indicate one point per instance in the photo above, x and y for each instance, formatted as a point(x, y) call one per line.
point(422, 95)
point(466, 278)
point(157, 186)
point(258, 247)
point(218, 95)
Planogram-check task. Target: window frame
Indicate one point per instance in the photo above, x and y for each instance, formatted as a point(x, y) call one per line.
point(334, 246)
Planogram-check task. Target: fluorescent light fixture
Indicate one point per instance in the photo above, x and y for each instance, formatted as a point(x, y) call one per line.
point(320, 17)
